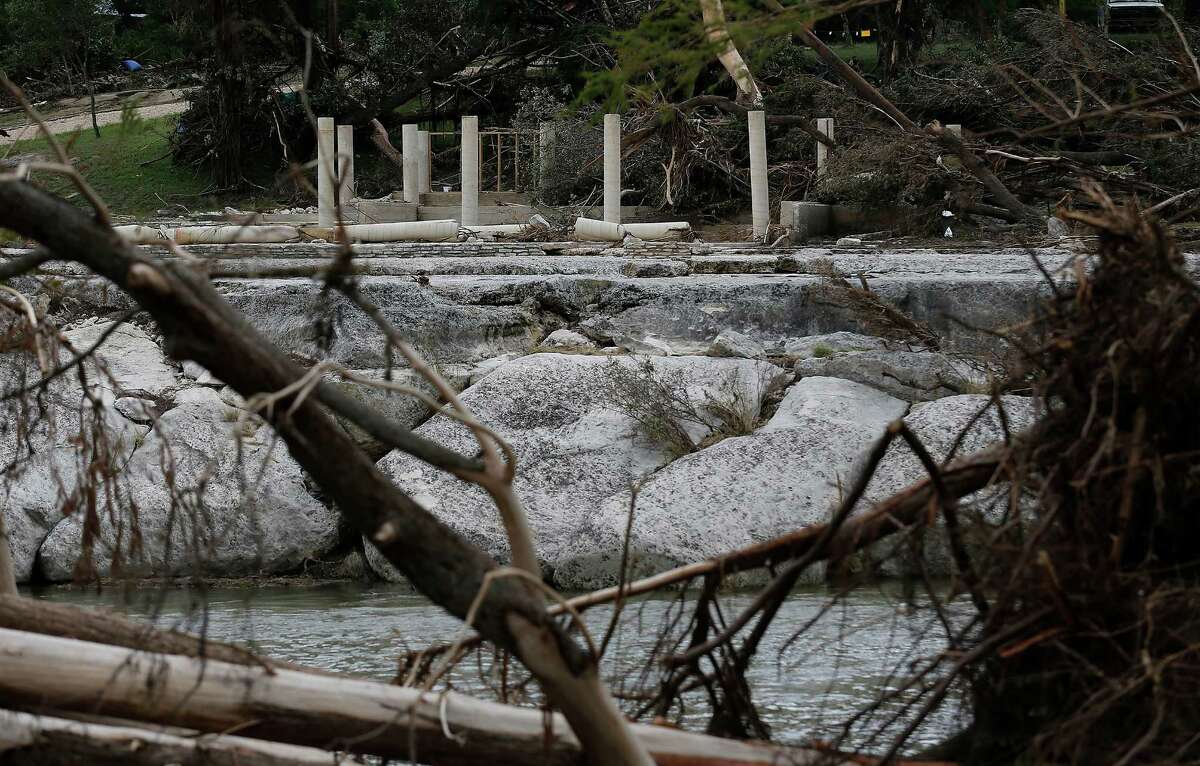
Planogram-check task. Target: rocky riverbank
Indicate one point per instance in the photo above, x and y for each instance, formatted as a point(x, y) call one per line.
point(725, 395)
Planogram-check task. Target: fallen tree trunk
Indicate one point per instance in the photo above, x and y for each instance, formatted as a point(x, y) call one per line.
point(26, 738)
point(64, 621)
point(321, 711)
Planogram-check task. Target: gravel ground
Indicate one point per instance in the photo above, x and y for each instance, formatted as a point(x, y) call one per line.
point(84, 121)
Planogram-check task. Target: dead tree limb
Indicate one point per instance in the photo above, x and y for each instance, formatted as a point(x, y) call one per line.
point(871, 95)
point(321, 711)
point(716, 31)
point(64, 621)
point(379, 137)
point(28, 738)
point(805, 124)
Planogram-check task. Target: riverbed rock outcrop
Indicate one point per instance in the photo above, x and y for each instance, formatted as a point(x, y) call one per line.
point(574, 444)
point(783, 476)
point(193, 499)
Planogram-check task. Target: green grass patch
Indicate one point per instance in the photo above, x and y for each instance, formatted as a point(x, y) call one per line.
point(130, 166)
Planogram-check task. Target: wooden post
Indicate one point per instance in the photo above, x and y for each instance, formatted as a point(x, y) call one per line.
point(825, 128)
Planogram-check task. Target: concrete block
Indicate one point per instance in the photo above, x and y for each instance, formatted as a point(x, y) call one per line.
point(806, 219)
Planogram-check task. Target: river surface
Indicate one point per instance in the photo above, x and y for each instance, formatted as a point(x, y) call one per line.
point(804, 688)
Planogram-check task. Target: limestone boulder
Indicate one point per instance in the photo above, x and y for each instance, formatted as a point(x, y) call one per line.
point(56, 448)
point(575, 447)
point(135, 364)
point(568, 339)
point(400, 407)
point(939, 425)
point(915, 376)
point(202, 496)
point(786, 475)
point(735, 345)
point(832, 343)
point(450, 328)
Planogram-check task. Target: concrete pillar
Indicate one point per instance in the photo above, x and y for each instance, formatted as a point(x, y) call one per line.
point(326, 151)
point(345, 165)
point(470, 172)
point(408, 147)
point(824, 127)
point(423, 160)
point(546, 150)
point(760, 197)
point(612, 168)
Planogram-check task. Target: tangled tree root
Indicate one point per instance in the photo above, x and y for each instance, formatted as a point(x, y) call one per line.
point(1094, 593)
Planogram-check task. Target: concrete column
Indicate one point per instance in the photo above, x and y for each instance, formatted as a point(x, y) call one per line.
point(423, 160)
point(612, 168)
point(470, 172)
point(824, 127)
point(546, 141)
point(326, 214)
point(345, 165)
point(760, 197)
point(408, 147)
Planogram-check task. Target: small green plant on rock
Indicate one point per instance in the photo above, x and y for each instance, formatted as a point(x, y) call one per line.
point(666, 414)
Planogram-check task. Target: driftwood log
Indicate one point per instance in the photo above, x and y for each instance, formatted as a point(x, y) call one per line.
point(48, 741)
point(40, 672)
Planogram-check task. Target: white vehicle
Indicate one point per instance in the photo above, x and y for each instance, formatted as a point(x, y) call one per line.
point(1134, 13)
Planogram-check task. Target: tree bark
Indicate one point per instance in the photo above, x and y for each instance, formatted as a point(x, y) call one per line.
point(51, 741)
point(319, 711)
point(716, 30)
point(8, 575)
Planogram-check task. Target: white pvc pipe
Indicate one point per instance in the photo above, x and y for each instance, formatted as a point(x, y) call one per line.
point(408, 231)
point(136, 234)
point(345, 165)
point(657, 231)
point(408, 148)
point(612, 168)
point(325, 169)
point(423, 159)
point(760, 204)
point(470, 172)
point(591, 230)
point(228, 235)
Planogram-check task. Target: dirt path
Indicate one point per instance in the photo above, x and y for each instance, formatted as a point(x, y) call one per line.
point(83, 120)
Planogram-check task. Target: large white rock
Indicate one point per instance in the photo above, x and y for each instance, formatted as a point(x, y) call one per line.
point(787, 475)
point(133, 360)
point(939, 425)
point(915, 376)
point(734, 344)
point(203, 504)
point(574, 448)
point(55, 445)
